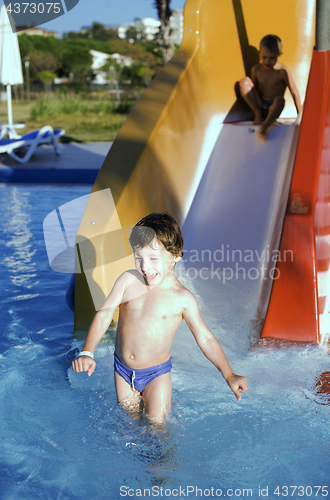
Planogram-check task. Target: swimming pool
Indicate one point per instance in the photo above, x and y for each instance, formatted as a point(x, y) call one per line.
point(63, 435)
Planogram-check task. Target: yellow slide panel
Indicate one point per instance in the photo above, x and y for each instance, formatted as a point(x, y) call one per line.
point(160, 152)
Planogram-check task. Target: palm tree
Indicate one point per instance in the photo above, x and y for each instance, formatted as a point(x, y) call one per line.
point(163, 36)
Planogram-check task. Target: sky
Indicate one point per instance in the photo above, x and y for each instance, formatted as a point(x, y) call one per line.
point(106, 12)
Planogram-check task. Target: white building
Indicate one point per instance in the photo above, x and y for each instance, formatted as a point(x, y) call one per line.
point(100, 59)
point(176, 23)
point(122, 30)
point(150, 26)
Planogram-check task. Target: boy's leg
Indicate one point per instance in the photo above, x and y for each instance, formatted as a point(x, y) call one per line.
point(251, 96)
point(157, 398)
point(130, 399)
point(274, 112)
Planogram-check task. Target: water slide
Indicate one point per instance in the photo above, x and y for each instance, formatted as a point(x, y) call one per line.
point(254, 213)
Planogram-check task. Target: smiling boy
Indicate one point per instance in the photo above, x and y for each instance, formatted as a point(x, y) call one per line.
point(152, 304)
point(265, 90)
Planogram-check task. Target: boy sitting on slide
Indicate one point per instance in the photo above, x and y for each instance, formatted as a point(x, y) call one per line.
point(270, 78)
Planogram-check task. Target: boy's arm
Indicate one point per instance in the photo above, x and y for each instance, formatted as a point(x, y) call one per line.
point(293, 90)
point(100, 324)
point(254, 78)
point(211, 347)
point(255, 81)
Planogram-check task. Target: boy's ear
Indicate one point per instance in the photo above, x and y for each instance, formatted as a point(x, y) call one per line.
point(177, 258)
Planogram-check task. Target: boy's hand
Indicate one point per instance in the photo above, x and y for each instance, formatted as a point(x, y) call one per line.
point(84, 364)
point(237, 384)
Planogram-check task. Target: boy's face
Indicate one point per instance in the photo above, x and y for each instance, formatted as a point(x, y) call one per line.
point(267, 58)
point(154, 262)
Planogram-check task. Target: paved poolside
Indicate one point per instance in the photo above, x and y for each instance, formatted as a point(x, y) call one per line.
point(78, 163)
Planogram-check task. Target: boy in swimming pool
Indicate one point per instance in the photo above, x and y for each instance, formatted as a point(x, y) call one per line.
point(152, 303)
point(270, 78)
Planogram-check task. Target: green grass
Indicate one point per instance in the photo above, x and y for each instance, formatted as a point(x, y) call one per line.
point(87, 120)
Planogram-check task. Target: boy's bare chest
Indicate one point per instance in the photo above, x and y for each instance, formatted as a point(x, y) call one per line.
point(153, 305)
point(272, 78)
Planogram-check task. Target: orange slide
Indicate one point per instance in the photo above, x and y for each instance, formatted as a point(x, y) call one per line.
point(299, 307)
point(187, 147)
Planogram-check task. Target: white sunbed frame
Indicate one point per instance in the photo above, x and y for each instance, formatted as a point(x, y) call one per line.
point(32, 144)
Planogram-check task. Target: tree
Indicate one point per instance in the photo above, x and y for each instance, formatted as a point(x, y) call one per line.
point(97, 32)
point(113, 71)
point(50, 44)
point(136, 33)
point(42, 61)
point(82, 74)
point(139, 52)
point(137, 74)
point(47, 77)
point(163, 36)
point(75, 54)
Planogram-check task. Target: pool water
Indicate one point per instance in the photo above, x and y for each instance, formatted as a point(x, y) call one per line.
point(63, 436)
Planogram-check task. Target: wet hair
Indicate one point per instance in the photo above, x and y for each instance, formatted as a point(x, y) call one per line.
point(273, 43)
point(162, 226)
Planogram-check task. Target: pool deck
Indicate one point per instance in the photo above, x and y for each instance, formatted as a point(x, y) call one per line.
point(78, 163)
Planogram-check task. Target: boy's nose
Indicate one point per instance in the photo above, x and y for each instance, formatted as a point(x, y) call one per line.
point(144, 265)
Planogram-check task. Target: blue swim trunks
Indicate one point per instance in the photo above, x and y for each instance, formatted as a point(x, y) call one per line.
point(138, 379)
point(265, 105)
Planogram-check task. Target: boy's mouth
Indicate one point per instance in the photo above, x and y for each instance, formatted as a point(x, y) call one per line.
point(150, 277)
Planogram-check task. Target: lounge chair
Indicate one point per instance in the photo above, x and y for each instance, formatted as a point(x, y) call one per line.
point(30, 141)
point(10, 129)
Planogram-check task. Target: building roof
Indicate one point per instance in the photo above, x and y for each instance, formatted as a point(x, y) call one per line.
point(35, 30)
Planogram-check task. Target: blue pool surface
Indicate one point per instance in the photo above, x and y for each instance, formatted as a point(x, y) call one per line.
point(63, 436)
